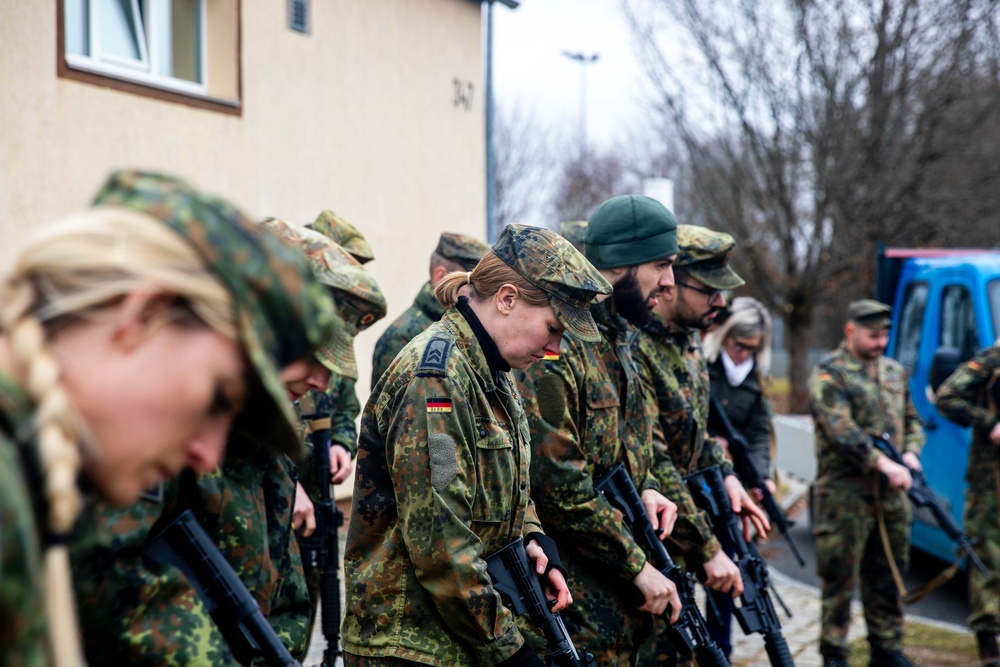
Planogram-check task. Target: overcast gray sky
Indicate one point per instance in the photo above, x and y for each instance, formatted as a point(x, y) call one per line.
point(530, 70)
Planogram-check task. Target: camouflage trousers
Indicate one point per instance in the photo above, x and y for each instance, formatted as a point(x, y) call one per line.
point(351, 660)
point(982, 523)
point(603, 618)
point(849, 551)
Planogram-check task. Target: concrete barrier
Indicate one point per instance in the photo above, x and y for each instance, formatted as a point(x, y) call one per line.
point(794, 439)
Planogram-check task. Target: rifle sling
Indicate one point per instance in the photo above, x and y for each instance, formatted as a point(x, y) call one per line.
point(925, 589)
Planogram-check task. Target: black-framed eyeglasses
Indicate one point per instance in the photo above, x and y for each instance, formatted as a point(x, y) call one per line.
point(712, 294)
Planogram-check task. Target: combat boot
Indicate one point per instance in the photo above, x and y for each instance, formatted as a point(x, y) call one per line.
point(882, 657)
point(835, 661)
point(989, 654)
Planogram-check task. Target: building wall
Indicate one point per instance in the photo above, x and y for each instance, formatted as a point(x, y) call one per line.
point(359, 116)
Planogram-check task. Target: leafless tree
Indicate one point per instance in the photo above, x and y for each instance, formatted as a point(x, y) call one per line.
point(524, 156)
point(815, 129)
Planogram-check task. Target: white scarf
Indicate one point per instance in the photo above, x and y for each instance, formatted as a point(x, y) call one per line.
point(736, 373)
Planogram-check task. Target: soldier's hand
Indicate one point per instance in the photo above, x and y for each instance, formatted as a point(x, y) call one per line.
point(897, 475)
point(722, 574)
point(554, 582)
point(340, 464)
point(913, 461)
point(745, 508)
point(995, 434)
point(303, 514)
point(657, 592)
point(758, 495)
point(661, 510)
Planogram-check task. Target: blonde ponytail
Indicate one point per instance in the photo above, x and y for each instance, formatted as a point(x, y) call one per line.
point(59, 456)
point(448, 288)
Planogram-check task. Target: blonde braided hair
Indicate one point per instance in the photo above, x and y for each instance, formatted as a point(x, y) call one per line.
point(70, 273)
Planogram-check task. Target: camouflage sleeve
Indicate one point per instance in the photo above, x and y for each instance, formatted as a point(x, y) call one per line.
point(712, 454)
point(960, 397)
point(344, 416)
point(148, 615)
point(692, 534)
point(831, 409)
point(432, 452)
point(562, 486)
point(388, 346)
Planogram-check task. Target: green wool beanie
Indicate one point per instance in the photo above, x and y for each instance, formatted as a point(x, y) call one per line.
point(630, 230)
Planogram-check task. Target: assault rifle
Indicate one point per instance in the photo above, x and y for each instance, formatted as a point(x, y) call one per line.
point(756, 611)
point(922, 495)
point(321, 550)
point(745, 467)
point(184, 544)
point(518, 585)
point(690, 633)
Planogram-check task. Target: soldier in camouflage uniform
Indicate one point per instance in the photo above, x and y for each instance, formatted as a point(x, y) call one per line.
point(443, 463)
point(245, 506)
point(857, 393)
point(588, 410)
point(157, 268)
point(971, 397)
point(670, 361)
point(454, 252)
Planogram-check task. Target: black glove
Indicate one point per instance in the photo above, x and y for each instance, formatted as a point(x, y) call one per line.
point(525, 657)
point(548, 546)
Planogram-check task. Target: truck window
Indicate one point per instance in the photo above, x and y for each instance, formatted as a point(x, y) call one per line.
point(958, 322)
point(993, 289)
point(911, 321)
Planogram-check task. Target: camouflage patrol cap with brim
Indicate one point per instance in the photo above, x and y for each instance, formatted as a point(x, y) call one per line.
point(704, 254)
point(553, 265)
point(281, 310)
point(870, 314)
point(573, 231)
point(630, 230)
point(344, 234)
point(462, 249)
point(359, 301)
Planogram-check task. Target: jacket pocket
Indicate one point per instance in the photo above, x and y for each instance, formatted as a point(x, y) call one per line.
point(496, 473)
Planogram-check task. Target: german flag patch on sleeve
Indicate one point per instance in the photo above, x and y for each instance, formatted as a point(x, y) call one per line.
point(549, 356)
point(438, 405)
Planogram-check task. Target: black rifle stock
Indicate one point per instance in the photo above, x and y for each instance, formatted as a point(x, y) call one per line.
point(922, 495)
point(518, 585)
point(184, 544)
point(690, 632)
point(321, 550)
point(756, 612)
point(745, 467)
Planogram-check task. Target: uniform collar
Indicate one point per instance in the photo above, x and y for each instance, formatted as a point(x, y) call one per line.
point(428, 303)
point(495, 362)
point(468, 343)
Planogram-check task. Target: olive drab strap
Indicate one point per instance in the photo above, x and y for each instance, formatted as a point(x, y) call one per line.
point(923, 590)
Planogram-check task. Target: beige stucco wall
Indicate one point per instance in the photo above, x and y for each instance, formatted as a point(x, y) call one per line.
point(358, 116)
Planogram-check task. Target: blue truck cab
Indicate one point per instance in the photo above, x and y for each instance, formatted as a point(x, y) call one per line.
point(946, 308)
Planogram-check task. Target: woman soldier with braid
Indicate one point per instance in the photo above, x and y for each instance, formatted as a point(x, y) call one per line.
point(133, 337)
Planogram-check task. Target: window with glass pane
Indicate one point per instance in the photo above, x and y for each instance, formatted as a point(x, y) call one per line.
point(958, 321)
point(152, 41)
point(993, 290)
point(911, 320)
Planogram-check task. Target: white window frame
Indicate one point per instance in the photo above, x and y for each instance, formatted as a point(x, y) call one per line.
point(144, 70)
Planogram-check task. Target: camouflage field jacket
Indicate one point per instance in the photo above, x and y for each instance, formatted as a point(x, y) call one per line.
point(441, 482)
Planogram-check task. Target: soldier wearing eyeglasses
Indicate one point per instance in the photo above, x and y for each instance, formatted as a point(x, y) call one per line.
point(670, 361)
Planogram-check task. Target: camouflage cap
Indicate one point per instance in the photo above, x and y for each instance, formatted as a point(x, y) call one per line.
point(630, 230)
point(870, 314)
point(344, 234)
point(553, 265)
point(282, 312)
point(573, 231)
point(705, 255)
point(461, 248)
point(360, 303)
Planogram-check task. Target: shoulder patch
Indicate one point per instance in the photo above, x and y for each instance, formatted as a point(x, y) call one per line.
point(551, 356)
point(435, 355)
point(440, 404)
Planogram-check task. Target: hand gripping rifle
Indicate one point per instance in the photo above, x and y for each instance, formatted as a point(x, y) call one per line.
point(184, 544)
point(320, 551)
point(747, 470)
point(756, 611)
point(690, 633)
point(921, 495)
point(518, 585)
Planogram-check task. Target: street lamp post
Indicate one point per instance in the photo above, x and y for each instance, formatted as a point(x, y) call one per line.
point(584, 60)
